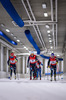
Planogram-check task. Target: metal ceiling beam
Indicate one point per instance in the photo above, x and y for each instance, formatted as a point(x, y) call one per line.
point(27, 21)
point(36, 25)
point(52, 18)
point(31, 19)
point(56, 20)
point(51, 1)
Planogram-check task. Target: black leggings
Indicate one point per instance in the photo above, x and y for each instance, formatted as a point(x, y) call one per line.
point(33, 69)
point(53, 68)
point(12, 67)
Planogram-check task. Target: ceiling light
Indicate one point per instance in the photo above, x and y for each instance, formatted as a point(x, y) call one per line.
point(12, 34)
point(18, 40)
point(45, 14)
point(48, 31)
point(50, 40)
point(49, 35)
point(44, 6)
point(47, 26)
point(24, 47)
point(7, 30)
point(51, 47)
point(2, 25)
point(58, 55)
point(15, 37)
point(52, 52)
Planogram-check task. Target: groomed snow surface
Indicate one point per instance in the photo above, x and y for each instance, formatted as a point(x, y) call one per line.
point(25, 89)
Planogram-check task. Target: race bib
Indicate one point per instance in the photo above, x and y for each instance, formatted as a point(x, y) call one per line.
point(52, 62)
point(32, 61)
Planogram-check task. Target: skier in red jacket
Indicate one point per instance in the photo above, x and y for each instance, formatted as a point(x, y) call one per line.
point(12, 63)
point(52, 64)
point(32, 64)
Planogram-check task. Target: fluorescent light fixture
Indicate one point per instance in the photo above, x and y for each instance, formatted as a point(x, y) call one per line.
point(50, 40)
point(12, 34)
point(51, 47)
point(47, 26)
point(48, 31)
point(24, 47)
point(45, 14)
point(44, 6)
point(52, 52)
point(58, 55)
point(7, 30)
point(15, 37)
point(49, 35)
point(18, 40)
point(2, 25)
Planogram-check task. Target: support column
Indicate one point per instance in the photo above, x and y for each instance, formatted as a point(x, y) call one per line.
point(43, 66)
point(5, 59)
point(26, 64)
point(65, 62)
point(23, 64)
point(19, 70)
point(1, 57)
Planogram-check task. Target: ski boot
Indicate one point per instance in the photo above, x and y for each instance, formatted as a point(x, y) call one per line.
point(40, 78)
point(15, 77)
point(10, 78)
point(51, 79)
point(30, 78)
point(54, 78)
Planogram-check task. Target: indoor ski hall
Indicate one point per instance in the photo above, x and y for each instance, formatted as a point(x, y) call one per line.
point(32, 49)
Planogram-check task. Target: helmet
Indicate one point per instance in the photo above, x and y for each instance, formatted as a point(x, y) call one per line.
point(32, 52)
point(52, 54)
point(12, 54)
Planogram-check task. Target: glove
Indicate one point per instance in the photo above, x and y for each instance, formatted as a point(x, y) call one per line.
point(48, 67)
point(15, 60)
point(56, 62)
point(41, 64)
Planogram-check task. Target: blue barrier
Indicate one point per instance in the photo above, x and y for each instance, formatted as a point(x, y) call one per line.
point(53, 73)
point(7, 38)
point(12, 12)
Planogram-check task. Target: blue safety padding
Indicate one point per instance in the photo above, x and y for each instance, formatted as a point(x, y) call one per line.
point(7, 38)
point(53, 73)
point(30, 38)
point(12, 12)
point(60, 59)
point(43, 56)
